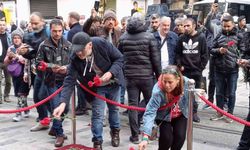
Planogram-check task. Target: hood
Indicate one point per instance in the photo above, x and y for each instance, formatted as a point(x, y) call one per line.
point(136, 25)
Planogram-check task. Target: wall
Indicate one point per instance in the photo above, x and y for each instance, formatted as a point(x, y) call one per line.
point(66, 6)
point(123, 7)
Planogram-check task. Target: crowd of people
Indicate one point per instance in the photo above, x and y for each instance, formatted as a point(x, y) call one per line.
point(143, 60)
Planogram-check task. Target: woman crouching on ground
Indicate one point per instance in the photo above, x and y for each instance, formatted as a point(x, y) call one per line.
point(172, 122)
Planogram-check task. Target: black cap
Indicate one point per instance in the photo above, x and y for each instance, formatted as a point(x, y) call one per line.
point(241, 18)
point(79, 41)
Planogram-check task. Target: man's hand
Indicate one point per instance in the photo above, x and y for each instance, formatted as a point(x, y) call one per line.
point(55, 68)
point(59, 110)
point(214, 7)
point(106, 77)
point(223, 50)
point(23, 49)
point(62, 70)
point(243, 62)
point(93, 13)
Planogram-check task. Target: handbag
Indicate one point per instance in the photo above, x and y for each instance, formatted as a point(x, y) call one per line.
point(15, 68)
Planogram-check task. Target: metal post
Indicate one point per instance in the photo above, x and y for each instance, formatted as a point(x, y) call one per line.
point(73, 117)
point(190, 115)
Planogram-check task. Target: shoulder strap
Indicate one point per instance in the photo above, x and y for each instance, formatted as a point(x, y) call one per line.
point(163, 42)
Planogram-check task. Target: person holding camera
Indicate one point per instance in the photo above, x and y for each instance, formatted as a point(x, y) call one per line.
point(171, 87)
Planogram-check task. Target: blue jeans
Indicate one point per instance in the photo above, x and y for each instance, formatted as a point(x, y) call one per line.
point(111, 92)
point(55, 102)
point(42, 109)
point(221, 80)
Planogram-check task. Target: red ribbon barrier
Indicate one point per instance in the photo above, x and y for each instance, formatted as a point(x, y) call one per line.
point(32, 106)
point(223, 112)
point(122, 105)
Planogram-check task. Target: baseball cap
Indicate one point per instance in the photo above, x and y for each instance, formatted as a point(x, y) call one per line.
point(79, 41)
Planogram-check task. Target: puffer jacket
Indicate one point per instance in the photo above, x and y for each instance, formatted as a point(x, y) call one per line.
point(227, 62)
point(141, 55)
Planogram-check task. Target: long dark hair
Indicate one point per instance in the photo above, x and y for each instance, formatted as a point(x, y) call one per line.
point(174, 70)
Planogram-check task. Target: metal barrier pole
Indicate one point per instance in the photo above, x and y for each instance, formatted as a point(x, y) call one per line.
point(190, 114)
point(73, 116)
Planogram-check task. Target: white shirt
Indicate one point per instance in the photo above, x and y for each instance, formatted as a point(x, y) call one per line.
point(164, 53)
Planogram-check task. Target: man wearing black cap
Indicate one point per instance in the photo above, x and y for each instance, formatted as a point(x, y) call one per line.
point(242, 28)
point(95, 57)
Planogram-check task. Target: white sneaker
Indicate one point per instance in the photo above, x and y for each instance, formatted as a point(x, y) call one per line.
point(17, 118)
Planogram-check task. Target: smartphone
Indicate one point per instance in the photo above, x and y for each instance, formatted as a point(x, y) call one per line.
point(96, 5)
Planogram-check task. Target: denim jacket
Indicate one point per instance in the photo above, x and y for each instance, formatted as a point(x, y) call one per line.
point(159, 99)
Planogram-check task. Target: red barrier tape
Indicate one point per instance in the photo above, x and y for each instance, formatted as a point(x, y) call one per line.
point(121, 105)
point(223, 112)
point(32, 106)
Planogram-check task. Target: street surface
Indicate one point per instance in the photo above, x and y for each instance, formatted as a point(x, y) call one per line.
point(208, 135)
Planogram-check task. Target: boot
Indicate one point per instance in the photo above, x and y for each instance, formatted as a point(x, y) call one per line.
point(25, 104)
point(97, 145)
point(115, 139)
point(18, 116)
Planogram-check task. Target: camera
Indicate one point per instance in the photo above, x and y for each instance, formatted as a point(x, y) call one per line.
point(96, 5)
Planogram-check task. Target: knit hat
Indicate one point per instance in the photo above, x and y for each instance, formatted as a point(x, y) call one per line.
point(17, 32)
point(109, 14)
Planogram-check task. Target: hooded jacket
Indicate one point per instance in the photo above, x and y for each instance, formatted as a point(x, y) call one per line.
point(106, 58)
point(192, 53)
point(141, 55)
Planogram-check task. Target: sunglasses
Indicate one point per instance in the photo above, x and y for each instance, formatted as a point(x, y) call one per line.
point(170, 71)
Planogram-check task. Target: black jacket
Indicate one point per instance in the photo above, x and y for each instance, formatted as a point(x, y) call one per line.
point(227, 62)
point(75, 28)
point(141, 55)
point(192, 53)
point(53, 55)
point(106, 57)
point(34, 40)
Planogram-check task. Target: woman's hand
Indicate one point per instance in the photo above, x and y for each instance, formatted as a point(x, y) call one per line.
point(143, 145)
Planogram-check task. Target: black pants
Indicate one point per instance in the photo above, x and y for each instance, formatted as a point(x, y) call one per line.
point(211, 85)
point(134, 88)
point(244, 143)
point(172, 134)
point(197, 79)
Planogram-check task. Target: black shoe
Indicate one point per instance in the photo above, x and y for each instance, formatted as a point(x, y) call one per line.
point(134, 139)
point(115, 139)
point(196, 118)
point(53, 133)
point(125, 113)
point(97, 145)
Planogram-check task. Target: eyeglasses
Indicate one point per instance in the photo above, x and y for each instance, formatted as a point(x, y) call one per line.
point(170, 71)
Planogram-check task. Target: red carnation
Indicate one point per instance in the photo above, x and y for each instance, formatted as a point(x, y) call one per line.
point(91, 83)
point(230, 43)
point(97, 81)
point(46, 121)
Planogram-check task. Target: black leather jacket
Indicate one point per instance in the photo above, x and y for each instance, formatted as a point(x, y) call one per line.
point(54, 55)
